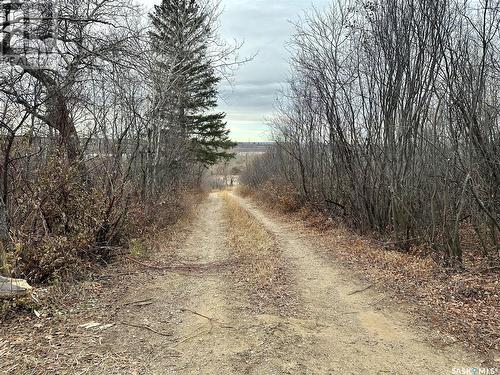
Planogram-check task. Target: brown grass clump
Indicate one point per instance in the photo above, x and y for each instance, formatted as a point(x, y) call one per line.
point(258, 254)
point(65, 230)
point(54, 225)
point(281, 197)
point(147, 226)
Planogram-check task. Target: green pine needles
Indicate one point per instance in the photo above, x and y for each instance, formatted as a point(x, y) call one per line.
point(181, 38)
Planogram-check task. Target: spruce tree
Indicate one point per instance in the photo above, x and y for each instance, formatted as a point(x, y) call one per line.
point(180, 39)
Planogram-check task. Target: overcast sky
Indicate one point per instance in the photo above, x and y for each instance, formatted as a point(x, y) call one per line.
point(264, 26)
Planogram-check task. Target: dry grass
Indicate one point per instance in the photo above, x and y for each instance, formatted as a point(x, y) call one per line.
point(279, 197)
point(259, 256)
point(252, 244)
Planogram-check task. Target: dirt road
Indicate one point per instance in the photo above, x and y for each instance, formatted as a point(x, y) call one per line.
point(205, 322)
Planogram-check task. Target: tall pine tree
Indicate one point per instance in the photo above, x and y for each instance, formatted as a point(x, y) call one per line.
point(180, 38)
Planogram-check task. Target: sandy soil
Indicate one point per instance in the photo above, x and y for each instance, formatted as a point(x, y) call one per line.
point(203, 322)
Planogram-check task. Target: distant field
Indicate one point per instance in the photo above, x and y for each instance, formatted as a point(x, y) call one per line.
point(252, 147)
point(227, 173)
point(246, 152)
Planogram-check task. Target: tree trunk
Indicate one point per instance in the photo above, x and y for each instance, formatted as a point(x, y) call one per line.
point(60, 118)
point(5, 241)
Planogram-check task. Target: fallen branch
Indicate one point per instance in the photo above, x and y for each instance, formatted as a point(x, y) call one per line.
point(146, 328)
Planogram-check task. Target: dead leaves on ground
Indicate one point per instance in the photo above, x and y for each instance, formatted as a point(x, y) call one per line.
point(463, 305)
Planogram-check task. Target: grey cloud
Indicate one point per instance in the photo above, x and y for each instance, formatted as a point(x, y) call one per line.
point(265, 27)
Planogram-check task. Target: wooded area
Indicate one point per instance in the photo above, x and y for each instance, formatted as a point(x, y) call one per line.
point(390, 122)
point(107, 117)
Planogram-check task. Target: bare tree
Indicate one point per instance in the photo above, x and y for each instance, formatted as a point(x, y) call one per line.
point(391, 121)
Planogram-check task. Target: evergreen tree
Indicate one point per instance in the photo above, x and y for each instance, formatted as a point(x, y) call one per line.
point(180, 38)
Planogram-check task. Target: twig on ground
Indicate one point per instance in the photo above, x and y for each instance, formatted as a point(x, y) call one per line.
point(149, 300)
point(110, 276)
point(197, 313)
point(361, 290)
point(184, 266)
point(211, 320)
point(146, 328)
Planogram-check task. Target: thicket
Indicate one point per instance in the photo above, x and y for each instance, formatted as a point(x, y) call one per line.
point(390, 121)
point(106, 120)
